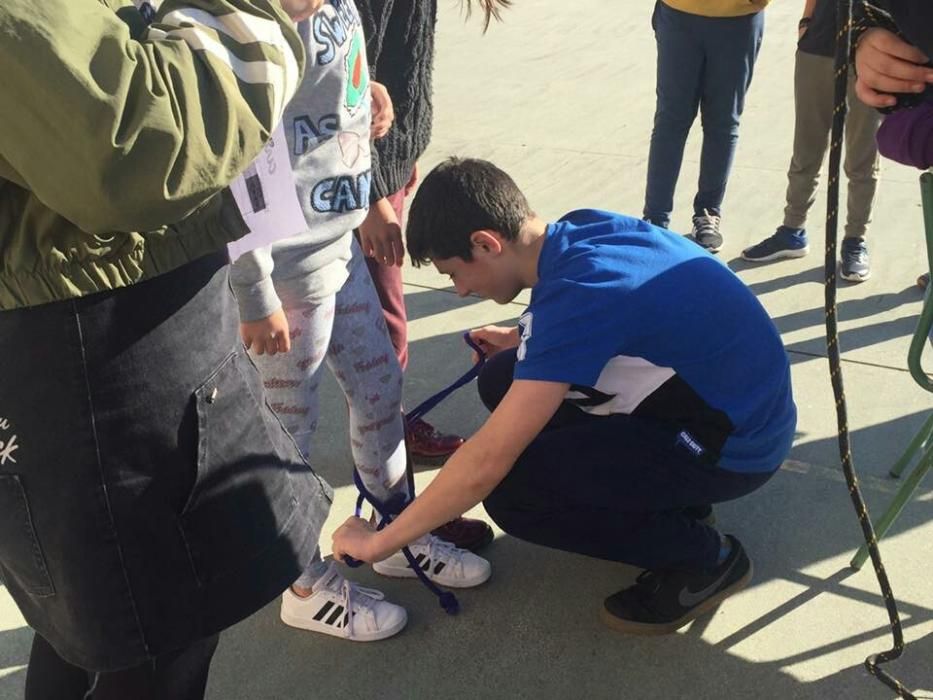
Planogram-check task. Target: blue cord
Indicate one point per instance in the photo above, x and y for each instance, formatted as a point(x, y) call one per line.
point(422, 408)
point(387, 510)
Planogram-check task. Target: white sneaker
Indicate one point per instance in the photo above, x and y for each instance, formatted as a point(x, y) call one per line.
point(443, 563)
point(343, 609)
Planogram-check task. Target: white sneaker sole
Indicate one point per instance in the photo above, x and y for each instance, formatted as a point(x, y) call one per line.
point(369, 636)
point(779, 255)
point(855, 277)
point(708, 249)
point(406, 571)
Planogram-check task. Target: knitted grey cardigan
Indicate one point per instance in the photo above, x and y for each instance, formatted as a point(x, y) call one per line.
point(400, 50)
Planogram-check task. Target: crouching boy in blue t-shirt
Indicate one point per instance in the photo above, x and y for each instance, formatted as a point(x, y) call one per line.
point(644, 383)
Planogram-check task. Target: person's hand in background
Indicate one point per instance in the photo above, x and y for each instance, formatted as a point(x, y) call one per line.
point(886, 65)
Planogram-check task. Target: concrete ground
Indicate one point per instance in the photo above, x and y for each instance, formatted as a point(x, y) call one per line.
point(562, 96)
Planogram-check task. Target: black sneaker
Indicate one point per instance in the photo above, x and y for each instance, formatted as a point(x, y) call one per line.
point(706, 231)
point(783, 243)
point(661, 602)
point(855, 266)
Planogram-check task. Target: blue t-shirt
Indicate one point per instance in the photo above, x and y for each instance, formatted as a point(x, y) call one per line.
point(644, 322)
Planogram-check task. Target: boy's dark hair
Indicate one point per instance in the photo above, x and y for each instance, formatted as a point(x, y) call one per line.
point(458, 197)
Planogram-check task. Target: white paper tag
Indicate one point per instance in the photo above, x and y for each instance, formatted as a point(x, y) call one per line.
point(266, 196)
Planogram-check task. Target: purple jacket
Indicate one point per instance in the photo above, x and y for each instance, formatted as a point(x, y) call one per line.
point(907, 136)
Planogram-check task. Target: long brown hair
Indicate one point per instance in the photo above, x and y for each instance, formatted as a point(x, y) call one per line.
point(491, 9)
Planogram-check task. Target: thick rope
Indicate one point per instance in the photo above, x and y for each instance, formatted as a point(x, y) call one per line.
point(873, 662)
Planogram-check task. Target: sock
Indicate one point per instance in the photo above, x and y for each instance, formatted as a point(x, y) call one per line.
point(315, 569)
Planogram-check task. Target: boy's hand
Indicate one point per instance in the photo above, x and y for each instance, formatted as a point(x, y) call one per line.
point(268, 335)
point(357, 538)
point(886, 64)
point(383, 112)
point(493, 339)
point(300, 10)
point(381, 234)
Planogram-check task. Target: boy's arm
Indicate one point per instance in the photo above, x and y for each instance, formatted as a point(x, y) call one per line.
point(117, 134)
point(470, 475)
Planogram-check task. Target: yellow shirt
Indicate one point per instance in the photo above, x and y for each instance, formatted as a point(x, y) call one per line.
point(718, 8)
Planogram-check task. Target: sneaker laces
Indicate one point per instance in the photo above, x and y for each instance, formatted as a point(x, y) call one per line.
point(392, 507)
point(388, 510)
point(706, 223)
point(355, 599)
point(442, 550)
point(857, 250)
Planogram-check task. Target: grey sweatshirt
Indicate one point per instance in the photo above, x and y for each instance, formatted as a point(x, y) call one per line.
point(327, 128)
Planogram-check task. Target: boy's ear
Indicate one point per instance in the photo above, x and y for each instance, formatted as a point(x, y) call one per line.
point(487, 240)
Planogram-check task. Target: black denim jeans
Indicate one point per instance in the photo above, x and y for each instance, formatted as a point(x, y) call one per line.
point(151, 498)
point(179, 675)
point(612, 487)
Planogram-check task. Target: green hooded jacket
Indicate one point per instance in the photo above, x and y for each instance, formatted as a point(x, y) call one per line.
point(117, 141)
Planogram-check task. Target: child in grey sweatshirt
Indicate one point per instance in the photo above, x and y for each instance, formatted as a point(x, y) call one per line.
point(309, 299)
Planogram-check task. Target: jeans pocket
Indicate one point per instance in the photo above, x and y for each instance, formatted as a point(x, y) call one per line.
point(21, 558)
point(242, 497)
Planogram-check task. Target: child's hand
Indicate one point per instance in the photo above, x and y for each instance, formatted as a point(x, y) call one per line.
point(381, 234)
point(412, 181)
point(268, 335)
point(885, 65)
point(383, 112)
point(493, 339)
point(300, 10)
point(357, 538)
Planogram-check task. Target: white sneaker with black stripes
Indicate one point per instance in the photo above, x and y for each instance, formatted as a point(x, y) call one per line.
point(443, 563)
point(341, 608)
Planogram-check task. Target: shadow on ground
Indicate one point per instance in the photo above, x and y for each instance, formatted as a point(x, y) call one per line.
point(533, 630)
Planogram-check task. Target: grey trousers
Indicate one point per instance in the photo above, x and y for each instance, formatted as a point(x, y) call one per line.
point(813, 107)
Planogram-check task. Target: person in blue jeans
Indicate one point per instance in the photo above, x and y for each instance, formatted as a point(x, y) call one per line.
point(706, 56)
point(623, 405)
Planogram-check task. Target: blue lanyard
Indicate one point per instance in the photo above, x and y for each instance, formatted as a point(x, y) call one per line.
point(422, 408)
point(389, 509)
